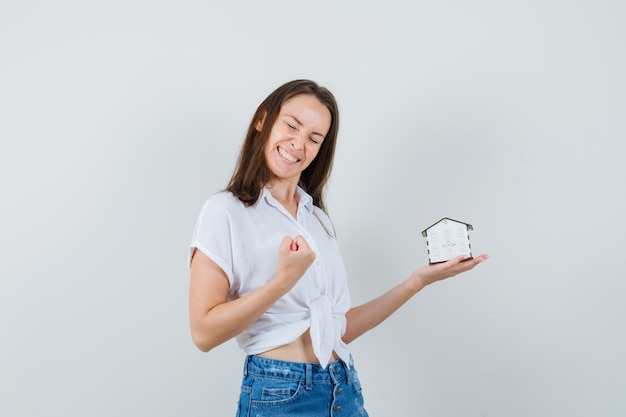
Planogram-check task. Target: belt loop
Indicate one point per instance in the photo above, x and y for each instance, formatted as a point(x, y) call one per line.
point(308, 377)
point(349, 370)
point(245, 365)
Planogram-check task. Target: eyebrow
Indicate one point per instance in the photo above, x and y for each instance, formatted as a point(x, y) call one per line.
point(300, 123)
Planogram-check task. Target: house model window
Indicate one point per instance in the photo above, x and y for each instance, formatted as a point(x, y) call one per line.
point(447, 239)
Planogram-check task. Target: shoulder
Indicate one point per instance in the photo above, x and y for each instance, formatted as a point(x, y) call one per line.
point(222, 201)
point(325, 221)
point(321, 214)
point(221, 205)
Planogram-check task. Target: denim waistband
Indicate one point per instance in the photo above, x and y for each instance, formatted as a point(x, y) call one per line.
point(335, 372)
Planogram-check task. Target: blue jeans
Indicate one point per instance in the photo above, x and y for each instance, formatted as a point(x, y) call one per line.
point(273, 388)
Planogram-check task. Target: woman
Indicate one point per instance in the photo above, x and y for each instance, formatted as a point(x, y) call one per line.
point(266, 269)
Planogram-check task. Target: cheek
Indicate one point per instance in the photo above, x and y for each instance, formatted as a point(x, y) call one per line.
point(316, 151)
point(313, 154)
point(273, 140)
point(270, 145)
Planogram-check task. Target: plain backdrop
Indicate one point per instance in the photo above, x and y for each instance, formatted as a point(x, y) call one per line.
point(118, 119)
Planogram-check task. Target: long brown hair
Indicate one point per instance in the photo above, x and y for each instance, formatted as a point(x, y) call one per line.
point(252, 172)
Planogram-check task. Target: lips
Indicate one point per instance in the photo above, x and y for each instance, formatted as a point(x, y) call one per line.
point(287, 156)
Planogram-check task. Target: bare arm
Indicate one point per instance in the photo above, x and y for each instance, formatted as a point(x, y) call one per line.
point(213, 319)
point(365, 317)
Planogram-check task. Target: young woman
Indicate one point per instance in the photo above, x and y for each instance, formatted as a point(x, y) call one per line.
point(266, 269)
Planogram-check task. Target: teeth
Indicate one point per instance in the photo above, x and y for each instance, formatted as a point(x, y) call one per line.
point(287, 156)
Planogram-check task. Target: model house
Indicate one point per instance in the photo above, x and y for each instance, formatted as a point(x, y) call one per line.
point(447, 239)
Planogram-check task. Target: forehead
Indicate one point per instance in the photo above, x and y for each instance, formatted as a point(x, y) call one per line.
point(309, 110)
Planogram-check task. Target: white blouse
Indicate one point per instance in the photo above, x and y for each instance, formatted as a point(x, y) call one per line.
point(244, 242)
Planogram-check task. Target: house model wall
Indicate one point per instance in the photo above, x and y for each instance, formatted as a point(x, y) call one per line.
point(447, 239)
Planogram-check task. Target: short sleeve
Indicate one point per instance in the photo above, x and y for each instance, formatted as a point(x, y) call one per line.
point(212, 234)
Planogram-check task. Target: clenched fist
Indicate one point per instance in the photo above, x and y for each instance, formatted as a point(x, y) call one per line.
point(294, 258)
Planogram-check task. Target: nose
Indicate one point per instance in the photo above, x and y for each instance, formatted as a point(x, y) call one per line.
point(297, 141)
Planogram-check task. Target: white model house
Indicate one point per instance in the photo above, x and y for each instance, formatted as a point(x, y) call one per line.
point(447, 239)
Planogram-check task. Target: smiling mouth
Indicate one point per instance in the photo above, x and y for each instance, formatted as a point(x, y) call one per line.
point(287, 156)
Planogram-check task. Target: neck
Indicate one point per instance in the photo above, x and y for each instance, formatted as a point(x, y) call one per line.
point(285, 193)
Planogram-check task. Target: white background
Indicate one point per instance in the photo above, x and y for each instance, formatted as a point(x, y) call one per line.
point(118, 119)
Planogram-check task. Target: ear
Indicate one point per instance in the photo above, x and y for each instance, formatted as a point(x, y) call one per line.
point(259, 124)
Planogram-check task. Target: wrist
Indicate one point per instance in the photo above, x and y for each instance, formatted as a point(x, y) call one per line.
point(279, 284)
point(416, 282)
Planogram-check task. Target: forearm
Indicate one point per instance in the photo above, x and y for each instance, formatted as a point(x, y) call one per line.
point(228, 319)
point(215, 320)
point(365, 317)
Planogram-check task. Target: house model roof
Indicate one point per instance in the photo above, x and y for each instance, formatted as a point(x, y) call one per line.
point(446, 239)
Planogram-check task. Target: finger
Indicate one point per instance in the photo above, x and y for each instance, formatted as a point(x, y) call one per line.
point(482, 258)
point(286, 243)
point(471, 263)
point(458, 259)
point(479, 259)
point(301, 242)
point(294, 245)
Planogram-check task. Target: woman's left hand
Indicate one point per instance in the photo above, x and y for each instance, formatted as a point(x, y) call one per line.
point(428, 274)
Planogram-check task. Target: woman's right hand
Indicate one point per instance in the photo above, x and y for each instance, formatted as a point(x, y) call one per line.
point(295, 256)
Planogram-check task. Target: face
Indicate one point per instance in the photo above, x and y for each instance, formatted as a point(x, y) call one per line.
point(296, 136)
